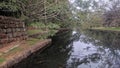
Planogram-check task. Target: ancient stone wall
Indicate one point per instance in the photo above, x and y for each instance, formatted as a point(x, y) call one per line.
point(11, 29)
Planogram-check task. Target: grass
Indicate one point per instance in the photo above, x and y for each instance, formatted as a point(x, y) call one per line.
point(32, 41)
point(51, 30)
point(15, 50)
point(12, 51)
point(108, 28)
point(2, 60)
point(45, 32)
point(42, 34)
point(31, 32)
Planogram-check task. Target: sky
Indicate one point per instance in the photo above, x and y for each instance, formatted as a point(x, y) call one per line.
point(71, 1)
point(101, 2)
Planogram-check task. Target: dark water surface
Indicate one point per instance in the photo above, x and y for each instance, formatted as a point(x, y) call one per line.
point(72, 49)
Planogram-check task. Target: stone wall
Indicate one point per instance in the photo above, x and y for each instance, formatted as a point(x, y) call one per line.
point(11, 29)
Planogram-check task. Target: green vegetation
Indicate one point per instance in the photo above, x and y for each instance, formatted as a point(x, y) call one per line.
point(32, 41)
point(107, 28)
point(42, 11)
point(43, 30)
point(94, 14)
point(48, 14)
point(43, 18)
point(41, 15)
point(10, 5)
point(31, 32)
point(15, 50)
point(2, 60)
point(12, 51)
point(42, 34)
point(42, 26)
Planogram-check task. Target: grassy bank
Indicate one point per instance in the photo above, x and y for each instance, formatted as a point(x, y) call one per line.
point(41, 30)
point(107, 28)
point(38, 35)
point(21, 52)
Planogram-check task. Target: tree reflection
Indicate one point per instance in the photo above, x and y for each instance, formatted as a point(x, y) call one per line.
point(107, 44)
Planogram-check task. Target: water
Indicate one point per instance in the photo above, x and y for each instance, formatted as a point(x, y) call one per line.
point(74, 49)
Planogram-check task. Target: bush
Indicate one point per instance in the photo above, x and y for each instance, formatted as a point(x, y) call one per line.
point(40, 25)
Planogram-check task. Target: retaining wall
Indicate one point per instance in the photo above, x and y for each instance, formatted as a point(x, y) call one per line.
point(11, 29)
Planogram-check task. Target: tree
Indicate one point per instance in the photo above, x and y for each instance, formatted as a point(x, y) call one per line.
point(9, 8)
point(88, 13)
point(111, 16)
point(38, 10)
point(45, 10)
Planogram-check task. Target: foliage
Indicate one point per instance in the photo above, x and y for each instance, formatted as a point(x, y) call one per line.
point(50, 33)
point(32, 41)
point(93, 13)
point(44, 30)
point(43, 11)
point(89, 20)
point(52, 26)
point(40, 25)
point(111, 16)
point(31, 32)
point(10, 5)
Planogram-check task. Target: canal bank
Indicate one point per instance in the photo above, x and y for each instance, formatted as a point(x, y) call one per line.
point(17, 51)
point(20, 52)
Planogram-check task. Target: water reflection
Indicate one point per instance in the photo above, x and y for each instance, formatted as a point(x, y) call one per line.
point(96, 49)
point(85, 49)
point(108, 44)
